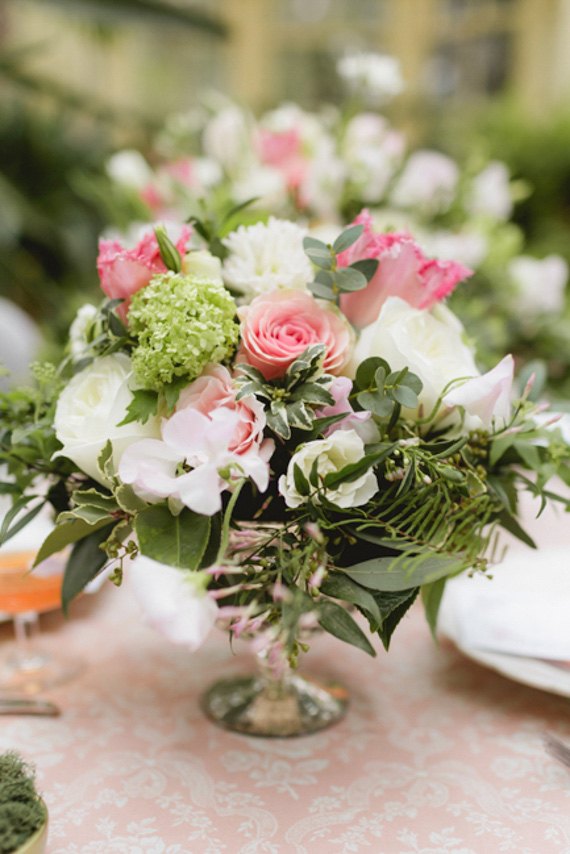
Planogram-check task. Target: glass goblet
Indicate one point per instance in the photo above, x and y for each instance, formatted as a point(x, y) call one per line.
point(23, 596)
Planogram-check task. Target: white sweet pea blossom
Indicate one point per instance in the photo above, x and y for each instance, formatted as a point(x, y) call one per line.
point(487, 398)
point(192, 464)
point(541, 284)
point(265, 258)
point(89, 409)
point(174, 601)
point(333, 453)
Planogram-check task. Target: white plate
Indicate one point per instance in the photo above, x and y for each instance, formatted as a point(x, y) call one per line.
point(488, 619)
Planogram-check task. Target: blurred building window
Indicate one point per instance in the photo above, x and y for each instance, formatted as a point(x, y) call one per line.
point(470, 68)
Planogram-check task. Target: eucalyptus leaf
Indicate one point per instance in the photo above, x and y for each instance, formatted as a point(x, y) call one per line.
point(366, 371)
point(366, 266)
point(404, 395)
point(375, 403)
point(347, 279)
point(347, 238)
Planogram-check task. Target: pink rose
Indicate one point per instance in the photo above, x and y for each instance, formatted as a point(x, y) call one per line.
point(277, 327)
point(214, 389)
point(123, 272)
point(403, 271)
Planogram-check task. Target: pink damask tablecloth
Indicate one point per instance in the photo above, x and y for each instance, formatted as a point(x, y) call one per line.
point(437, 754)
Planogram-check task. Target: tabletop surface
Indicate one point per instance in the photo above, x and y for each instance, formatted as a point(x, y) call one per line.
point(437, 755)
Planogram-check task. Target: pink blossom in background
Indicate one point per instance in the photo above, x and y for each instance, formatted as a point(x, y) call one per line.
point(403, 271)
point(282, 150)
point(276, 327)
point(215, 388)
point(123, 272)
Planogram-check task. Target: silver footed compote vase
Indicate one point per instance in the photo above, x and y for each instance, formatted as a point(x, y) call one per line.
point(276, 700)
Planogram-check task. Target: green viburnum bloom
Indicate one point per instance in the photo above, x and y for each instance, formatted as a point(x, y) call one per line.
point(182, 323)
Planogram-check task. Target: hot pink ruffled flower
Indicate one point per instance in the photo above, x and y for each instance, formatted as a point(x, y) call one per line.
point(123, 272)
point(277, 327)
point(403, 271)
point(215, 388)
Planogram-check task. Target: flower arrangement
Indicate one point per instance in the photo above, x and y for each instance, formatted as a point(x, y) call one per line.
point(258, 428)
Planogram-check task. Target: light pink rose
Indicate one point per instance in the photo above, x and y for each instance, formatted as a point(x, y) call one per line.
point(123, 272)
point(213, 389)
point(277, 327)
point(403, 271)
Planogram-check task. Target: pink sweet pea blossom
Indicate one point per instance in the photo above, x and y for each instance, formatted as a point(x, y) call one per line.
point(215, 388)
point(486, 397)
point(403, 271)
point(277, 326)
point(358, 421)
point(123, 272)
point(156, 468)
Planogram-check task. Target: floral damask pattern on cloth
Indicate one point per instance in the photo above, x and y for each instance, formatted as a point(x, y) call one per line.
point(437, 755)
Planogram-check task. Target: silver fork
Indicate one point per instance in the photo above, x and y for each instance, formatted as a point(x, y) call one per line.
point(556, 748)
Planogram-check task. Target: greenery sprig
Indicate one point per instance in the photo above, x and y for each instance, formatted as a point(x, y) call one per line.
point(331, 280)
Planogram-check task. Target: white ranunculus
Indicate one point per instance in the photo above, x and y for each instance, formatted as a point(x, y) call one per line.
point(201, 264)
point(174, 601)
point(333, 453)
point(89, 409)
point(487, 398)
point(429, 343)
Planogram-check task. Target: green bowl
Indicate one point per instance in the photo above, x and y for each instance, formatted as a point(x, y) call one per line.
point(36, 843)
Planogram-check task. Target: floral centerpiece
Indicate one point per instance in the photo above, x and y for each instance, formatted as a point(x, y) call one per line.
point(275, 434)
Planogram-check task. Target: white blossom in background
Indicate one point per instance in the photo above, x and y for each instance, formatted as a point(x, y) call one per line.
point(374, 76)
point(263, 258)
point(490, 193)
point(129, 169)
point(372, 152)
point(290, 117)
point(79, 329)
point(428, 182)
point(227, 139)
point(264, 184)
point(467, 247)
point(323, 184)
point(541, 284)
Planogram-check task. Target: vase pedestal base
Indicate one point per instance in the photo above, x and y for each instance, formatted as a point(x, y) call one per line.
point(294, 705)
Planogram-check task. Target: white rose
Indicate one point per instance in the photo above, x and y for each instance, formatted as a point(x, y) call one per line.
point(173, 600)
point(201, 264)
point(333, 453)
point(89, 409)
point(430, 344)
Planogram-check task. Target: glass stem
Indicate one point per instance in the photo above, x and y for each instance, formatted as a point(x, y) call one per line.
point(27, 630)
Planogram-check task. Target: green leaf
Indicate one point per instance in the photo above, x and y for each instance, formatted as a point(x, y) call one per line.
point(366, 266)
point(500, 446)
point(168, 251)
point(313, 394)
point(396, 606)
point(403, 395)
point(172, 393)
point(88, 513)
point(301, 482)
point(64, 534)
point(340, 586)
point(347, 279)
point(412, 381)
point(321, 425)
point(85, 562)
point(505, 491)
point(510, 524)
point(9, 531)
point(347, 238)
point(431, 599)
point(128, 500)
point(400, 573)
point(528, 453)
point(105, 460)
point(277, 419)
point(352, 471)
point(213, 546)
point(319, 255)
point(178, 541)
point(366, 371)
point(375, 403)
point(335, 620)
point(299, 416)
